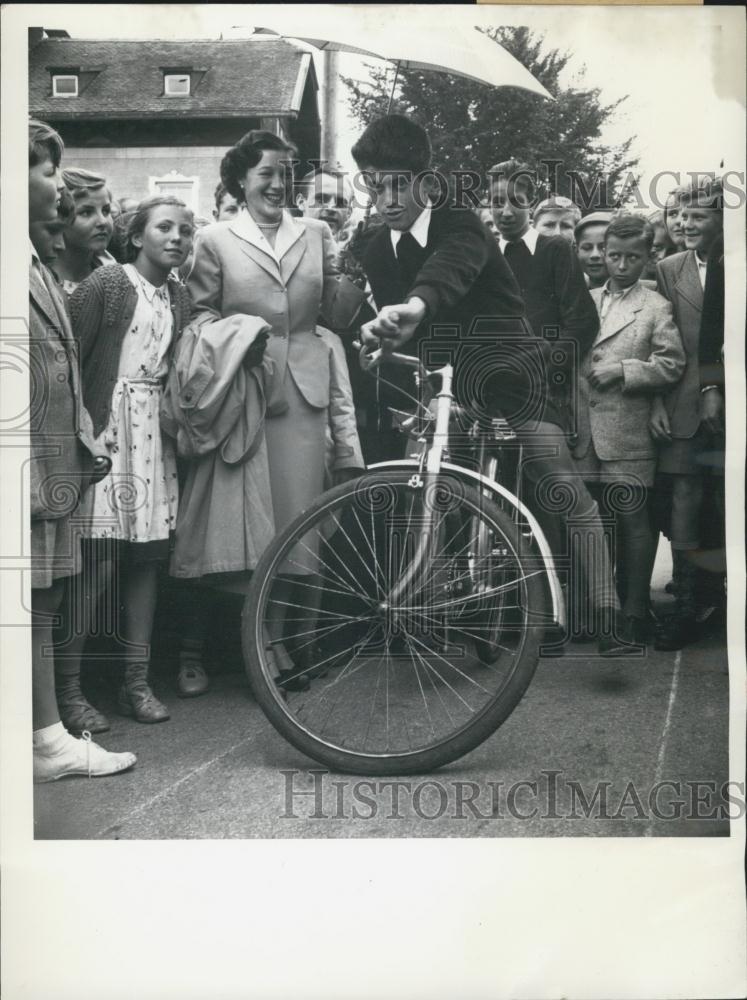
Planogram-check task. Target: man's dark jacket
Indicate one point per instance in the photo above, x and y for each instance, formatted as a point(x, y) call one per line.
point(475, 315)
point(561, 310)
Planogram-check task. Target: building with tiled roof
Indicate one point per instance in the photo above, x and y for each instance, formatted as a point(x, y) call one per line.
point(158, 115)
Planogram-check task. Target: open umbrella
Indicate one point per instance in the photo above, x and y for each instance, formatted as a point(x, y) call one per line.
point(411, 37)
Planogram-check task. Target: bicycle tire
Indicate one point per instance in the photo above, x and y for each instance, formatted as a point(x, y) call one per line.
point(290, 712)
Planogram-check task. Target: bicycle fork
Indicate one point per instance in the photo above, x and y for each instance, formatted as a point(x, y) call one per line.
point(422, 557)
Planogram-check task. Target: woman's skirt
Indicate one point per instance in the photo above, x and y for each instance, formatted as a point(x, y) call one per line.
point(296, 452)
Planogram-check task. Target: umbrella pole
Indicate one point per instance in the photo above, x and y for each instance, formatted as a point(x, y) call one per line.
point(394, 84)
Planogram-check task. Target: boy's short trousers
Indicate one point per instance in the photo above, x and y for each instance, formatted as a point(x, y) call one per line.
point(595, 469)
point(687, 456)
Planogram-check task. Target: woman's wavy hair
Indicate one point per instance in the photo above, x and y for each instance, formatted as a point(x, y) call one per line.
point(246, 154)
point(138, 220)
point(81, 182)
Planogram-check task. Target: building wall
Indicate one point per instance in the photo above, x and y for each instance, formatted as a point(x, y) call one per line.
point(131, 172)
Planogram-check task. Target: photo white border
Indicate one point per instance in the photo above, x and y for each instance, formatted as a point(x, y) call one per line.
point(526, 918)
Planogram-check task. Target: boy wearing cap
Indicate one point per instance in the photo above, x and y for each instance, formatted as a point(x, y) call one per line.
point(556, 216)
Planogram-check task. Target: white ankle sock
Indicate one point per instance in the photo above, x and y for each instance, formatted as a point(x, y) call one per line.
point(50, 738)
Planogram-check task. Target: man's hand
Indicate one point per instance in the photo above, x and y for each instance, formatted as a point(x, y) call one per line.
point(712, 411)
point(394, 325)
point(658, 422)
point(607, 373)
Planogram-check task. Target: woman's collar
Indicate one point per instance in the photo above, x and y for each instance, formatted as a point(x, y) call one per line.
point(288, 232)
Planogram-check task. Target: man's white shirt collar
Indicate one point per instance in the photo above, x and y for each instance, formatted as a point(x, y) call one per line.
point(529, 239)
point(702, 267)
point(418, 230)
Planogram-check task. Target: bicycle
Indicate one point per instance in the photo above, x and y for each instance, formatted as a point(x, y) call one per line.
point(410, 601)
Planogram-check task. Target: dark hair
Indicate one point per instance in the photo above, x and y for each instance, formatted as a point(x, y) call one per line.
point(81, 182)
point(393, 142)
point(65, 207)
point(308, 179)
point(44, 143)
point(705, 191)
point(138, 220)
point(516, 174)
point(246, 154)
point(630, 227)
point(220, 193)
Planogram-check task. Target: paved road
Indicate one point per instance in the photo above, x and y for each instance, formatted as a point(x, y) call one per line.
point(586, 726)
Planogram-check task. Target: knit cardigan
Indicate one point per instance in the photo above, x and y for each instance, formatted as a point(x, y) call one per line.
point(102, 308)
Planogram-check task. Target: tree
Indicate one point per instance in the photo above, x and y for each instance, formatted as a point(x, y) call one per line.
point(473, 126)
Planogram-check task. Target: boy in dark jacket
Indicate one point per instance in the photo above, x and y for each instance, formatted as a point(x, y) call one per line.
point(434, 267)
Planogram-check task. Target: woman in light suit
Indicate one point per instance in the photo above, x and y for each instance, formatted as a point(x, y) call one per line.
point(267, 264)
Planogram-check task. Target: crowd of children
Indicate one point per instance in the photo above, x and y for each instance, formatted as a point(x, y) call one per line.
point(626, 311)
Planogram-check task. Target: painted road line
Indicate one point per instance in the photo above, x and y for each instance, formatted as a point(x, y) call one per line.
point(664, 739)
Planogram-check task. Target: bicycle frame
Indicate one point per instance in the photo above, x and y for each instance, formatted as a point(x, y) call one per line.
point(431, 462)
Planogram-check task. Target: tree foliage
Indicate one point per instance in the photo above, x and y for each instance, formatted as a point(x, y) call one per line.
point(473, 126)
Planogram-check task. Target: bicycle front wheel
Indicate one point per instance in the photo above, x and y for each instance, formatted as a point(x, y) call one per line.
point(375, 598)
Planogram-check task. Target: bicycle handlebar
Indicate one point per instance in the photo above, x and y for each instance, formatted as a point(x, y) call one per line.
point(375, 358)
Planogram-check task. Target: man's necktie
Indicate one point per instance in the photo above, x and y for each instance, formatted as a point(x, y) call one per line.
point(408, 254)
point(519, 258)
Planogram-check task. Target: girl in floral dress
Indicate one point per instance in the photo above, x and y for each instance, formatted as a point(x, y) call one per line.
point(127, 318)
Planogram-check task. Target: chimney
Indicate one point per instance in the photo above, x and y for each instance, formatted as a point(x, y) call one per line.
point(37, 35)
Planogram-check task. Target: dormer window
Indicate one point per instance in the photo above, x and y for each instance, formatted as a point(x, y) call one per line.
point(64, 85)
point(176, 84)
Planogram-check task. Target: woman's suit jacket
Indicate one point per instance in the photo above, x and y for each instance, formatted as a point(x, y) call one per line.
point(236, 272)
point(646, 341)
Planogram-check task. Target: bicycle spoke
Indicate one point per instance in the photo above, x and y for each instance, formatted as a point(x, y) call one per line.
point(413, 627)
point(379, 591)
point(339, 695)
point(326, 589)
point(352, 546)
point(328, 629)
point(307, 607)
point(452, 667)
point(339, 579)
point(422, 695)
point(488, 592)
point(437, 692)
point(472, 635)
